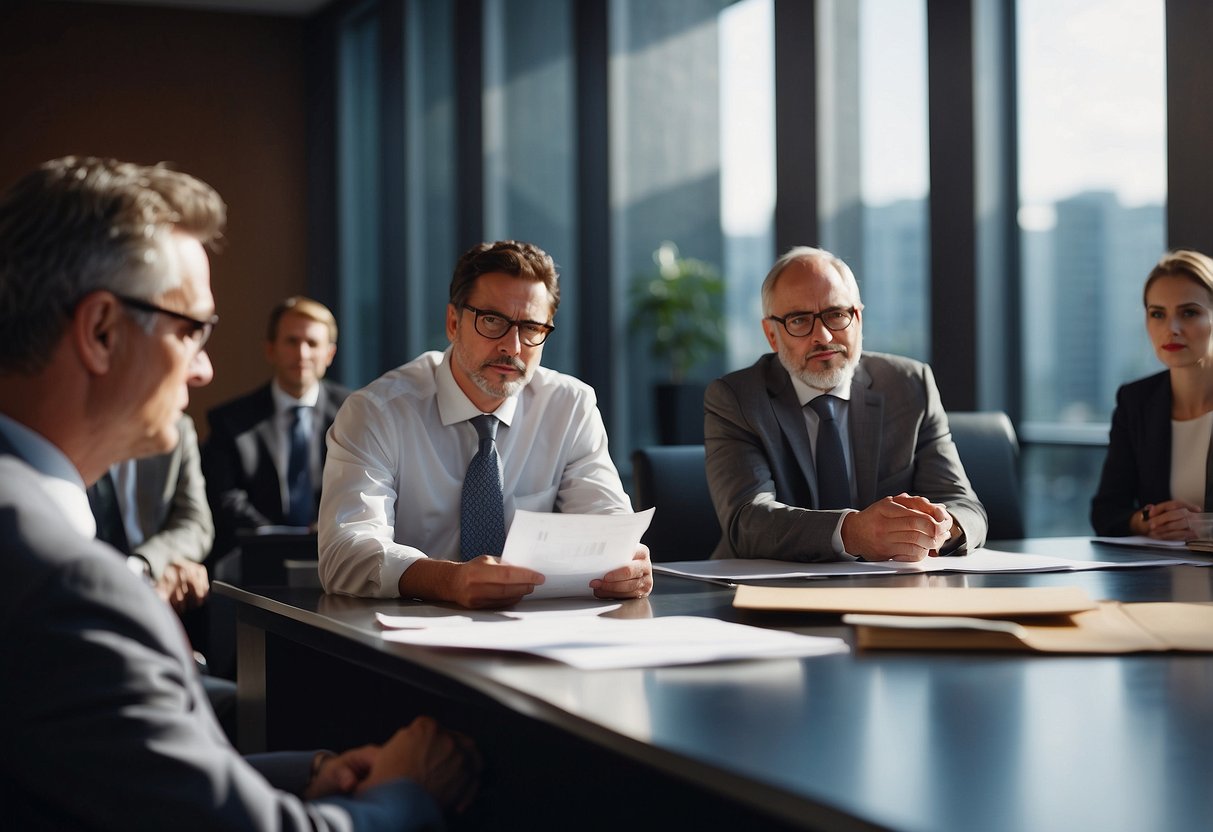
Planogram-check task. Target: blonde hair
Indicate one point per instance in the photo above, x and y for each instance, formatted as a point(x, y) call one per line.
point(1182, 262)
point(308, 308)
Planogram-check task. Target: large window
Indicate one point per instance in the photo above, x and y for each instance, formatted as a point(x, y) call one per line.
point(603, 129)
point(747, 170)
point(691, 130)
point(872, 90)
point(358, 199)
point(430, 189)
point(529, 143)
point(1092, 191)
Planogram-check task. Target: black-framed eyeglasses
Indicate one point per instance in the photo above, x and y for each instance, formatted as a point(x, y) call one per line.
point(200, 331)
point(800, 324)
point(494, 325)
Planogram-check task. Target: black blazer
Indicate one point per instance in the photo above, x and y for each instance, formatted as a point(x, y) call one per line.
point(1137, 470)
point(242, 483)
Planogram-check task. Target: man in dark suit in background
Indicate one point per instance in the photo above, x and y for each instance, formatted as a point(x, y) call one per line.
point(821, 451)
point(105, 306)
point(264, 458)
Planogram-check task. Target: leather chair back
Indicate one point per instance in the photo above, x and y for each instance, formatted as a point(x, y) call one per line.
point(989, 451)
point(673, 478)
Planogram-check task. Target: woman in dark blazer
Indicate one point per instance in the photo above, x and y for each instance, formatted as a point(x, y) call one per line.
point(1159, 467)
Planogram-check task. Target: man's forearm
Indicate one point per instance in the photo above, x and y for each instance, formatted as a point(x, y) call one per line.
point(429, 580)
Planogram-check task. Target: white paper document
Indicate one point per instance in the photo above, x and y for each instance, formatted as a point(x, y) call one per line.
point(611, 643)
point(552, 608)
point(573, 549)
point(977, 561)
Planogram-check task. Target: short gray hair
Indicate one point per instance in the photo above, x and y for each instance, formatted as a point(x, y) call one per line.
point(82, 224)
point(798, 254)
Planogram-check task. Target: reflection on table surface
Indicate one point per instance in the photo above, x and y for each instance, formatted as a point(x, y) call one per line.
point(906, 740)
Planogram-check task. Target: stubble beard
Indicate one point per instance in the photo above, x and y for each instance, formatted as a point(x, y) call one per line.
point(485, 383)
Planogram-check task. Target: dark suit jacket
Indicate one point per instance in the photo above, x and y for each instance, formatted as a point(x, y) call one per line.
point(242, 481)
point(104, 723)
point(1137, 469)
point(760, 461)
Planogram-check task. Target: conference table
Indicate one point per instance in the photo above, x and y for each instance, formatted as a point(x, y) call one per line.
point(900, 740)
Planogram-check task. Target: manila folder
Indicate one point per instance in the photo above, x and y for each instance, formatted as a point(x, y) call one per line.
point(1112, 628)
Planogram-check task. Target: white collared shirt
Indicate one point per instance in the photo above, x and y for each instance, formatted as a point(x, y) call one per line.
point(398, 452)
point(59, 476)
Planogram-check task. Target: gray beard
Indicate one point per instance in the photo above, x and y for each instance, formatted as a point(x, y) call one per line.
point(823, 380)
point(501, 391)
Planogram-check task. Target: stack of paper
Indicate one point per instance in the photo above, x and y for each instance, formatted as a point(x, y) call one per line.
point(573, 549)
point(1046, 619)
point(594, 643)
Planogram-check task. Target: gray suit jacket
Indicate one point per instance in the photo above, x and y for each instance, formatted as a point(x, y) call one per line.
point(104, 723)
point(170, 500)
point(760, 461)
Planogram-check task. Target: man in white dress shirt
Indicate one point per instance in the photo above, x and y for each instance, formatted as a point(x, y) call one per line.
point(390, 513)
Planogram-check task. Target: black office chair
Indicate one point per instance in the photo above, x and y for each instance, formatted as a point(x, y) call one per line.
point(989, 451)
point(673, 478)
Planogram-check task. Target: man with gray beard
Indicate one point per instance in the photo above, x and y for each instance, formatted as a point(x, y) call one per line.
point(404, 511)
point(821, 452)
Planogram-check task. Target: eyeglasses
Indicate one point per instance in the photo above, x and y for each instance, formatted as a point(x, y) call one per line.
point(494, 325)
point(800, 324)
point(200, 331)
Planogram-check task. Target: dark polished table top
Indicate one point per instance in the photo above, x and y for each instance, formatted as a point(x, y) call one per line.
point(902, 740)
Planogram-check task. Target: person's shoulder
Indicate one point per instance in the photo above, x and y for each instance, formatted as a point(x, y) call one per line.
point(416, 379)
point(758, 373)
point(886, 362)
point(244, 411)
point(336, 392)
point(550, 384)
point(889, 374)
point(1144, 388)
point(40, 548)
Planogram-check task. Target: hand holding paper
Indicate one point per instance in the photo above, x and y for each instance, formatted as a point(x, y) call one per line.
point(582, 554)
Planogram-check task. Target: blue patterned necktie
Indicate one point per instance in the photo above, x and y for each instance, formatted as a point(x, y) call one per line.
point(833, 482)
point(103, 500)
point(299, 474)
point(481, 510)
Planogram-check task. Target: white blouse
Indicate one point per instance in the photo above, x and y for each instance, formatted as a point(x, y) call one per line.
point(1189, 455)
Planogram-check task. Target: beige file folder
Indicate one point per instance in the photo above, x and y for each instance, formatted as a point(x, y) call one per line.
point(1113, 627)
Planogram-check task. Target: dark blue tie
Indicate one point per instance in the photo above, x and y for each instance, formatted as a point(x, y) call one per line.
point(103, 500)
point(833, 483)
point(481, 510)
point(299, 473)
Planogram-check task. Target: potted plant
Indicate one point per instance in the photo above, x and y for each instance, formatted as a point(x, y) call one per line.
point(678, 308)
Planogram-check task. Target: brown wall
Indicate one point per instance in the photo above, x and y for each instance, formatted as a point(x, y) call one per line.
point(220, 96)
